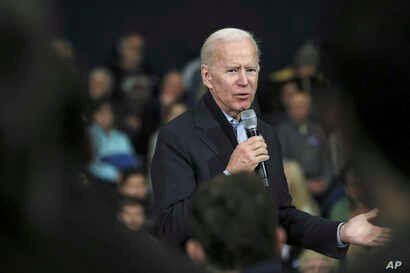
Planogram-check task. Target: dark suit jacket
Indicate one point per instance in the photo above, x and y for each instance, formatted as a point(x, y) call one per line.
point(196, 147)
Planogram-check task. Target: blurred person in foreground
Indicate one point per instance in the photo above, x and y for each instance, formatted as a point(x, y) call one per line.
point(51, 219)
point(367, 48)
point(234, 226)
point(210, 140)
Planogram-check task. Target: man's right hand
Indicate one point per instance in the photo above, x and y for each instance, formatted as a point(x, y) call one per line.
point(247, 155)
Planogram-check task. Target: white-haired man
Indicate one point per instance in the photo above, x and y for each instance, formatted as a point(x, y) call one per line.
point(210, 140)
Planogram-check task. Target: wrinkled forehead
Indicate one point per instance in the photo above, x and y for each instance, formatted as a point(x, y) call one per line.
point(242, 52)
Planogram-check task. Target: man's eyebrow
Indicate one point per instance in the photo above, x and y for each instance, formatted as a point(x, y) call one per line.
point(232, 66)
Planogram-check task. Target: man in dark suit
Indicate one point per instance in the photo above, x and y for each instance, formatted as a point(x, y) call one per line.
point(210, 140)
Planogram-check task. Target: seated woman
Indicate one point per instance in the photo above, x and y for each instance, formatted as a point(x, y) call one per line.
point(112, 150)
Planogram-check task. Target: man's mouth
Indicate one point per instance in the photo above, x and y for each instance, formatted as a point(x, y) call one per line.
point(242, 96)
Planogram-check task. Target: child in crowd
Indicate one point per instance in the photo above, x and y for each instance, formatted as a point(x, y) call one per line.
point(132, 214)
point(112, 150)
point(134, 185)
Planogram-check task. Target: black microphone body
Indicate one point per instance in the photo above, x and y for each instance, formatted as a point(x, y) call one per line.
point(261, 168)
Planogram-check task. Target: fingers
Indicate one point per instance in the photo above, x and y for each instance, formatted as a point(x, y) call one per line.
point(381, 237)
point(260, 151)
point(371, 214)
point(261, 158)
point(256, 143)
point(255, 139)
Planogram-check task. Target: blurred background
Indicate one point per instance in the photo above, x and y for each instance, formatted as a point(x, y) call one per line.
point(174, 31)
point(89, 83)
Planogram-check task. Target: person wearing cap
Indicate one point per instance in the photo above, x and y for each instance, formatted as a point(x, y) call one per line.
point(209, 140)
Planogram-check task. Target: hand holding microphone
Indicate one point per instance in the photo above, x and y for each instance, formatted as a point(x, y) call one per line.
point(247, 155)
point(251, 153)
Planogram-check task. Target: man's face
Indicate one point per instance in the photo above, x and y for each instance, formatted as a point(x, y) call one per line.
point(131, 48)
point(173, 85)
point(133, 216)
point(299, 107)
point(99, 85)
point(288, 90)
point(232, 78)
point(104, 117)
point(135, 187)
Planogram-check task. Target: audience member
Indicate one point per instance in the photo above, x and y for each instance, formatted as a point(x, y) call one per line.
point(131, 72)
point(112, 150)
point(191, 74)
point(134, 83)
point(301, 197)
point(171, 92)
point(100, 83)
point(132, 214)
point(306, 64)
point(134, 185)
point(64, 49)
point(233, 224)
point(303, 140)
point(351, 204)
point(286, 91)
point(173, 112)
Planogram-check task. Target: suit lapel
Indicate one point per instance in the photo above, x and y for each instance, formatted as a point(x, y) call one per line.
point(213, 129)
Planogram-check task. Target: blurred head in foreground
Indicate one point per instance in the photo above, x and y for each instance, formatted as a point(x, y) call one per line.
point(233, 223)
point(366, 47)
point(373, 77)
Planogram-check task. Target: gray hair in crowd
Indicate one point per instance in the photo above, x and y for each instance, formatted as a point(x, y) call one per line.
point(224, 35)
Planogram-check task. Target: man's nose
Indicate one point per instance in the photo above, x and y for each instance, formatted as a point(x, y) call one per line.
point(243, 79)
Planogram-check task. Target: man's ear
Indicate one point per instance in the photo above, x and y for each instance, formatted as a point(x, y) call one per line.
point(206, 76)
point(194, 249)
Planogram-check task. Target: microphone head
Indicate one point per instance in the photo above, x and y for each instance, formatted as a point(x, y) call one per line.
point(249, 119)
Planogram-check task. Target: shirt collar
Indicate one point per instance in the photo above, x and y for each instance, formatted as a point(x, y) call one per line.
point(230, 119)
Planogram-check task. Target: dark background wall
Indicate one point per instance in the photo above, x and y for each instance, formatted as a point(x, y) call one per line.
point(174, 30)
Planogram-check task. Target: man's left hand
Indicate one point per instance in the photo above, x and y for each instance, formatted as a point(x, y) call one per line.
point(359, 231)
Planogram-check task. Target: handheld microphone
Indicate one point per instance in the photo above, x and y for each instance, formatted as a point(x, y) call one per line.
point(250, 122)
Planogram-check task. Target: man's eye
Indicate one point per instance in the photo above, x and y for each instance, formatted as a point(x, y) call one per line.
point(251, 70)
point(232, 70)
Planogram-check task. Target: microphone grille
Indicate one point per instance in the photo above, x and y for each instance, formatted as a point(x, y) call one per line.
point(249, 119)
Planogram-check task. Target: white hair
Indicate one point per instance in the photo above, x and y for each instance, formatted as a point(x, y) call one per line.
point(225, 35)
